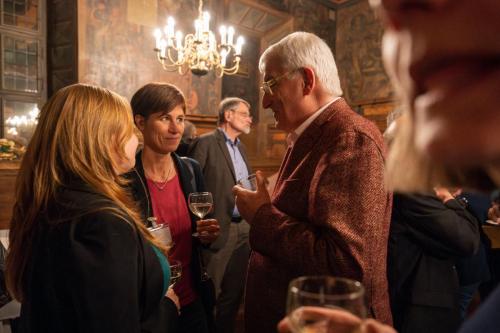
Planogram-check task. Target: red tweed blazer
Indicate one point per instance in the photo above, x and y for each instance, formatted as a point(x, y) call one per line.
point(329, 215)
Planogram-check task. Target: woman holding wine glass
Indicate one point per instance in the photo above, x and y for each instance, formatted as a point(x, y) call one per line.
point(161, 183)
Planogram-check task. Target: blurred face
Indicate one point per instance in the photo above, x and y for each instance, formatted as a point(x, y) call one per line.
point(162, 131)
point(286, 96)
point(130, 148)
point(239, 118)
point(444, 59)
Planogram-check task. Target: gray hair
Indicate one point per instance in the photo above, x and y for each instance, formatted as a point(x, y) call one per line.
point(227, 104)
point(189, 131)
point(304, 49)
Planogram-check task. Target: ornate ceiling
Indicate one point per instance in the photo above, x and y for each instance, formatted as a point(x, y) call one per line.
point(254, 17)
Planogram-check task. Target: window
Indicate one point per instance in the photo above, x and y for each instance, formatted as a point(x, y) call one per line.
point(23, 78)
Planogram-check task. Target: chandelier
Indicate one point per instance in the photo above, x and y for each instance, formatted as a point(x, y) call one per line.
point(198, 52)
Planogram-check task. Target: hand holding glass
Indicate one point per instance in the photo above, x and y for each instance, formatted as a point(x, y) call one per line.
point(249, 182)
point(307, 293)
point(200, 204)
point(175, 271)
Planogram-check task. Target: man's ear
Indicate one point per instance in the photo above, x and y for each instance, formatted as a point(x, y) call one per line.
point(309, 80)
point(227, 115)
point(140, 121)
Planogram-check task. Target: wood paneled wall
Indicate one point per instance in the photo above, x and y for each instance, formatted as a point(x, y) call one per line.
point(8, 174)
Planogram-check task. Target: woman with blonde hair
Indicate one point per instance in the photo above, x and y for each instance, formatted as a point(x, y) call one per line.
point(80, 260)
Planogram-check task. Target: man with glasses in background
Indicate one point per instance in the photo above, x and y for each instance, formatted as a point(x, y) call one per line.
point(223, 160)
point(329, 213)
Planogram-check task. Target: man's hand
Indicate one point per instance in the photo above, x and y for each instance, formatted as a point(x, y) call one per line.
point(494, 213)
point(443, 194)
point(248, 202)
point(208, 230)
point(339, 321)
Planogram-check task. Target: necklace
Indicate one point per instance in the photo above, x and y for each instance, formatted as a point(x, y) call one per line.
point(161, 184)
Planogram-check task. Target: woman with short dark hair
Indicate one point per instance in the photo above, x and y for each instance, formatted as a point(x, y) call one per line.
point(162, 182)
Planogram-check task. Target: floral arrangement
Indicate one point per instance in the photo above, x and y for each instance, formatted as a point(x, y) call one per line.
point(9, 150)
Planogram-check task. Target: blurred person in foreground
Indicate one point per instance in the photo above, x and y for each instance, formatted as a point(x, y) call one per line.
point(429, 232)
point(330, 211)
point(443, 58)
point(80, 259)
point(161, 184)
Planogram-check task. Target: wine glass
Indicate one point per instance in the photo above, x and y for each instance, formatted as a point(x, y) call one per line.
point(249, 182)
point(307, 293)
point(175, 271)
point(200, 204)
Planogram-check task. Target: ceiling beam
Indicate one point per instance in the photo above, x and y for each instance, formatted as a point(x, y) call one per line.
point(328, 3)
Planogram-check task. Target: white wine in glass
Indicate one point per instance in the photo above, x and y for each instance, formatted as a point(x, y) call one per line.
point(308, 294)
point(200, 204)
point(175, 272)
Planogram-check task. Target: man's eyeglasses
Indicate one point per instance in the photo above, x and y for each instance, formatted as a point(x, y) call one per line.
point(267, 86)
point(243, 114)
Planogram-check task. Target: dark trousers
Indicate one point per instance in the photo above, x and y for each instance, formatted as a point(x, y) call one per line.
point(193, 318)
point(228, 269)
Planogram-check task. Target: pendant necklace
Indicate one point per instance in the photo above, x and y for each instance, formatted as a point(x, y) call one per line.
point(160, 185)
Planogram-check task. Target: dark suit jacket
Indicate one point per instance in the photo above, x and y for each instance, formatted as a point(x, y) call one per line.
point(329, 216)
point(91, 271)
point(426, 238)
point(210, 150)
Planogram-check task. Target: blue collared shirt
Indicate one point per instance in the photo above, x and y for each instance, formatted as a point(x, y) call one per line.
point(239, 165)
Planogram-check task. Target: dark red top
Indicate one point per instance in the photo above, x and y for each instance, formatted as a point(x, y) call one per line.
point(170, 207)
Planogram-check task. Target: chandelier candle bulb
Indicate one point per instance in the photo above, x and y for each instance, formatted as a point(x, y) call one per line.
point(223, 32)
point(178, 39)
point(223, 56)
point(206, 22)
point(163, 48)
point(170, 27)
point(212, 42)
point(157, 35)
point(239, 45)
point(230, 35)
point(197, 28)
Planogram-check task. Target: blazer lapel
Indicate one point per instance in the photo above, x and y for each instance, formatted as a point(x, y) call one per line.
point(280, 178)
point(221, 141)
point(304, 144)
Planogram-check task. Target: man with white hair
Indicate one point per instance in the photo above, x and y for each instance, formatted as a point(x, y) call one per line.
point(329, 213)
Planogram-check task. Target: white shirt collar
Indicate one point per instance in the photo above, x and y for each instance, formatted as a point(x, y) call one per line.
point(294, 135)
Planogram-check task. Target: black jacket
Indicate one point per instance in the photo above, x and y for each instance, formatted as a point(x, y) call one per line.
point(426, 238)
point(191, 180)
point(91, 271)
